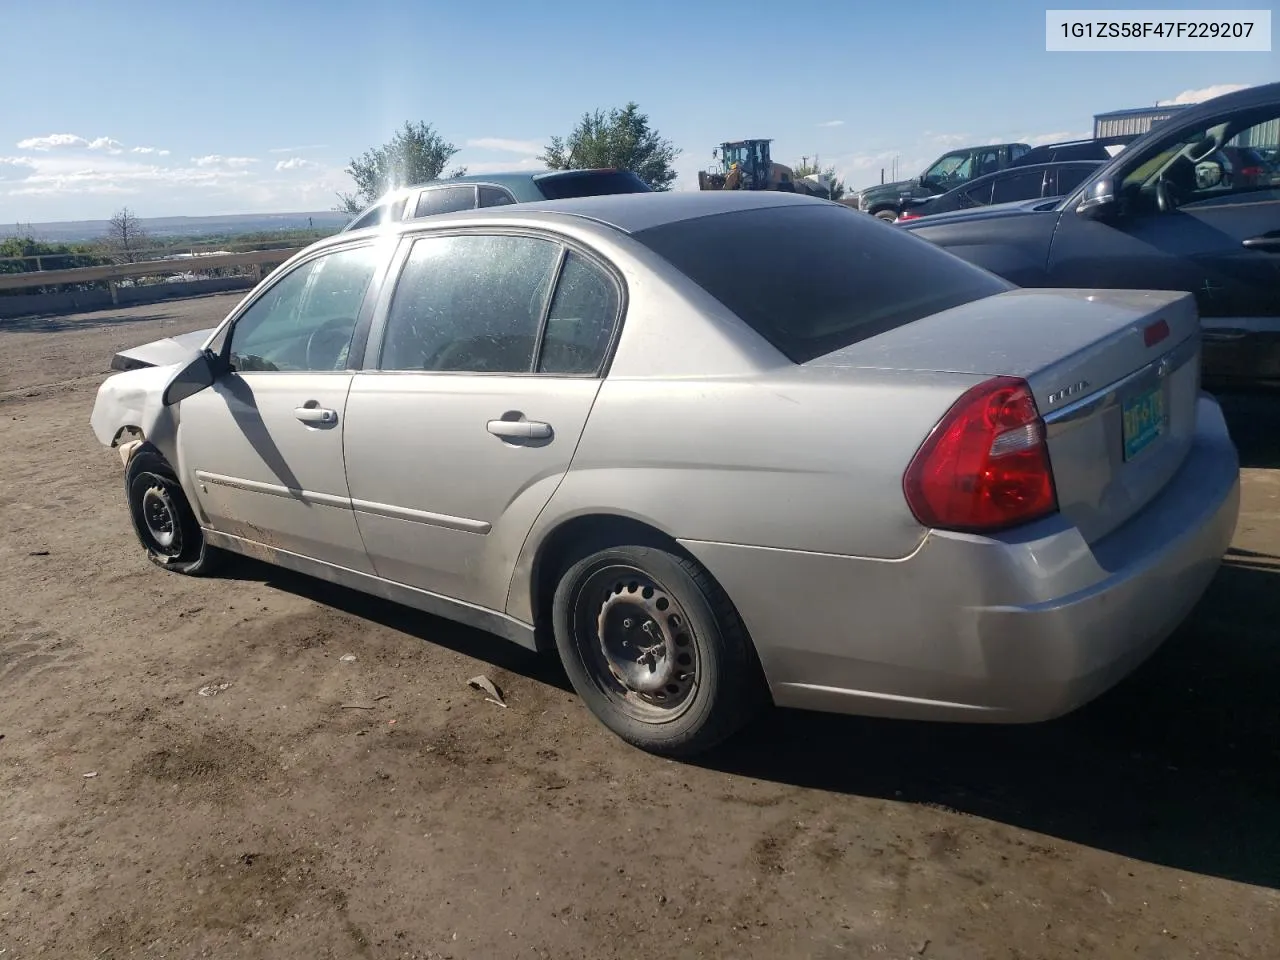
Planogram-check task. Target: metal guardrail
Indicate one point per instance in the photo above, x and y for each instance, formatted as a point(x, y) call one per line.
point(116, 271)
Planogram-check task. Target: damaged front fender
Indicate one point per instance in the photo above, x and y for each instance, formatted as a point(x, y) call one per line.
point(134, 402)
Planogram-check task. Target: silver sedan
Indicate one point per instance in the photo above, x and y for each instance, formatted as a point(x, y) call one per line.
point(715, 449)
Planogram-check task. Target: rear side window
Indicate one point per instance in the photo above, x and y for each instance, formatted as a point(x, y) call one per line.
point(495, 197)
point(445, 200)
point(1023, 186)
point(590, 184)
point(581, 319)
point(815, 279)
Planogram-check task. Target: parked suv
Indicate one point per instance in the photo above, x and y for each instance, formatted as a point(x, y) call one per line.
point(1059, 152)
point(886, 200)
point(494, 190)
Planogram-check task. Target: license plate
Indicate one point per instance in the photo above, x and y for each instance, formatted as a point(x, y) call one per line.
point(1143, 421)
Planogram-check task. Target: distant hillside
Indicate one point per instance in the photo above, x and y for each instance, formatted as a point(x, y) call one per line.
point(70, 231)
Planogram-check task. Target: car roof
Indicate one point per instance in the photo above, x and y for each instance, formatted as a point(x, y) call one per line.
point(625, 212)
point(509, 178)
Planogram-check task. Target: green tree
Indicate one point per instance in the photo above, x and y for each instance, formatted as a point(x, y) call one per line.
point(415, 154)
point(620, 138)
point(808, 169)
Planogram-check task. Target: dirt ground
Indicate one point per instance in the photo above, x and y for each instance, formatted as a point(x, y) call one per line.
point(322, 807)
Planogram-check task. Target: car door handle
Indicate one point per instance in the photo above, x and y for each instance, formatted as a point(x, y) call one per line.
point(519, 429)
point(315, 415)
point(1267, 243)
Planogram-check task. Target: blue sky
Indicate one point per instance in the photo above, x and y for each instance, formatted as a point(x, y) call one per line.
point(237, 107)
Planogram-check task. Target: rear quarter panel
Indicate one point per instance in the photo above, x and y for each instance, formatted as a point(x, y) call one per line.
point(798, 460)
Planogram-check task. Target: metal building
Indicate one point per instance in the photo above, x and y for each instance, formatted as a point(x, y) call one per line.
point(1123, 126)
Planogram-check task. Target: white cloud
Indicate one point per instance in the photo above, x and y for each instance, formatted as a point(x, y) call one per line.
point(218, 160)
point(505, 145)
point(309, 146)
point(296, 163)
point(947, 139)
point(64, 140)
point(148, 150)
point(832, 123)
point(1202, 94)
point(51, 141)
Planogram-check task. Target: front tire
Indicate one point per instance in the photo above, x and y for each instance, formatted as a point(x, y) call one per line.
point(656, 650)
point(888, 214)
point(163, 520)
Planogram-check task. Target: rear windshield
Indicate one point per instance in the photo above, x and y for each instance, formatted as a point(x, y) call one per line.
point(590, 184)
point(815, 279)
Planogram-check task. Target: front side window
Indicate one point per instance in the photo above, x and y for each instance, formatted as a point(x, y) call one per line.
point(1066, 179)
point(1200, 165)
point(470, 303)
point(952, 167)
point(986, 161)
point(305, 321)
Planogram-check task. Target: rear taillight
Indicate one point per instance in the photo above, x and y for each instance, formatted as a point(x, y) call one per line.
point(907, 216)
point(985, 466)
point(1250, 171)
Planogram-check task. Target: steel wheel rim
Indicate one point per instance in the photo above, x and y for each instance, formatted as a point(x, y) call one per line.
point(637, 642)
point(160, 518)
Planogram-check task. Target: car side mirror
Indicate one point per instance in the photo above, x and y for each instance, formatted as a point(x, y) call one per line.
point(1209, 173)
point(1099, 201)
point(200, 373)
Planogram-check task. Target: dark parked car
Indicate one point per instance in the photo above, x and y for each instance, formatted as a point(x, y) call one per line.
point(1058, 152)
point(1165, 214)
point(1006, 186)
point(495, 190)
point(956, 167)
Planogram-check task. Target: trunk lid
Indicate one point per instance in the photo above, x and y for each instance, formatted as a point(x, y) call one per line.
point(1115, 374)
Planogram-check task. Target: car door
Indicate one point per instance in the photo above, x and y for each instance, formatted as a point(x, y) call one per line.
point(487, 361)
point(262, 446)
point(1219, 240)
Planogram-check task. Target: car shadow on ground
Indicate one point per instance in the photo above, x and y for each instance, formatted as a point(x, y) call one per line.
point(490, 648)
point(1178, 765)
point(62, 324)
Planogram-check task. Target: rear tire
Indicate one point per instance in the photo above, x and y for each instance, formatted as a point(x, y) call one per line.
point(889, 215)
point(163, 520)
point(656, 650)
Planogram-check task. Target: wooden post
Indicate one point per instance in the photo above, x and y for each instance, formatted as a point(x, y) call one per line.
point(115, 297)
